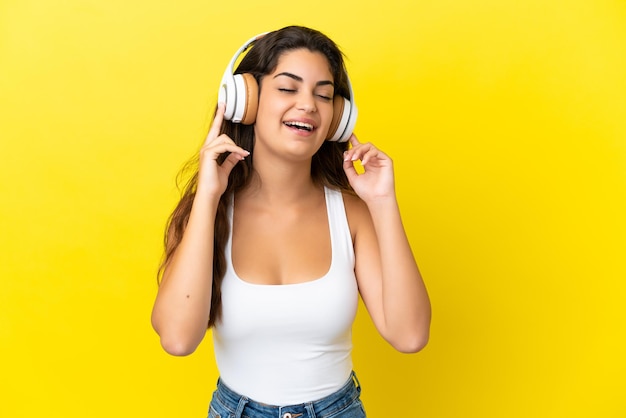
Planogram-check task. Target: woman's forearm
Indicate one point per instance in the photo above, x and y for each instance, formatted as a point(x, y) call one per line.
point(406, 304)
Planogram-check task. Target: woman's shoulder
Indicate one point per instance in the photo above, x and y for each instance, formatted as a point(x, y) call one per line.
point(356, 211)
point(352, 202)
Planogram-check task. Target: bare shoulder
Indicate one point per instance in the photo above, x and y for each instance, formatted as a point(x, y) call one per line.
point(357, 213)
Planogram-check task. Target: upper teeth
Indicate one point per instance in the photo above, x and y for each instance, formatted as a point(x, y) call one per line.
point(300, 125)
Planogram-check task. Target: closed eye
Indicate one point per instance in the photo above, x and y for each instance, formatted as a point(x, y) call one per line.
point(321, 96)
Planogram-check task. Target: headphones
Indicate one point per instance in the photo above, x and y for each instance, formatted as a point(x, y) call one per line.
point(240, 93)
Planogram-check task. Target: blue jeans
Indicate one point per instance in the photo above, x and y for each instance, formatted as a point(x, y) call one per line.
point(345, 403)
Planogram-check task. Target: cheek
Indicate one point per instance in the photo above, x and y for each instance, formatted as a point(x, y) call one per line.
point(268, 118)
point(263, 117)
point(269, 107)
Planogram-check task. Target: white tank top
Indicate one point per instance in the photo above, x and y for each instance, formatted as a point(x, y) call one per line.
point(290, 344)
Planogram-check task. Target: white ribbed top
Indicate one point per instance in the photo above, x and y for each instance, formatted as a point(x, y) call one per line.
point(289, 344)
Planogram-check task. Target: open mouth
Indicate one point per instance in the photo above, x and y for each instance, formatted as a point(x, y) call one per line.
point(300, 125)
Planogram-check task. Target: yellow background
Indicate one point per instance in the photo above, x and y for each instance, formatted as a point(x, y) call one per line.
point(507, 124)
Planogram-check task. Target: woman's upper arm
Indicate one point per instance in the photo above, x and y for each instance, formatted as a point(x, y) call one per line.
point(367, 267)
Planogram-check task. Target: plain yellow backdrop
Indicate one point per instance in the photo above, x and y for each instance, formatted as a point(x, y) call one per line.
point(506, 121)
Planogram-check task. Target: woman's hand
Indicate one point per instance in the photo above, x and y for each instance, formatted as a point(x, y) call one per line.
point(212, 176)
point(377, 181)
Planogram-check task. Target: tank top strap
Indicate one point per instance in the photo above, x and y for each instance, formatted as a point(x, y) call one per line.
point(340, 235)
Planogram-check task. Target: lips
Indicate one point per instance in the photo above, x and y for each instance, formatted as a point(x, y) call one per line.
point(300, 125)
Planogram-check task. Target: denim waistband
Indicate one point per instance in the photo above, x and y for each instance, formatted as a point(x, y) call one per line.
point(240, 405)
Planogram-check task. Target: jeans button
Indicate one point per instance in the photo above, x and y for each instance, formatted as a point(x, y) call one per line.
point(287, 415)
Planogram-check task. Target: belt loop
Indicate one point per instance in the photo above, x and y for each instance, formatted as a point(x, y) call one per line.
point(240, 406)
point(356, 381)
point(310, 409)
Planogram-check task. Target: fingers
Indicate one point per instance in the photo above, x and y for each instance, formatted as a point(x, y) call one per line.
point(223, 144)
point(231, 161)
point(365, 152)
point(216, 144)
point(350, 170)
point(353, 140)
point(214, 131)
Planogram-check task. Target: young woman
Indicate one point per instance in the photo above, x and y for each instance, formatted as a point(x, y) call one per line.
point(277, 234)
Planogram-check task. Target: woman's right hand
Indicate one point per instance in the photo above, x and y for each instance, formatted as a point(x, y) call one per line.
point(212, 176)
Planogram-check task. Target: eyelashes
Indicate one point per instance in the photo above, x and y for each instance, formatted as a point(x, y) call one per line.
point(291, 91)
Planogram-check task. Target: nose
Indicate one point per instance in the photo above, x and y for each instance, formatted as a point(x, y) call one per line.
point(306, 102)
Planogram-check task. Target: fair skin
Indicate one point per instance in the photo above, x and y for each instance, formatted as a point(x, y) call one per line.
point(280, 227)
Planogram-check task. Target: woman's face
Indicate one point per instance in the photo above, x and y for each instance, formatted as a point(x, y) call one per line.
point(295, 105)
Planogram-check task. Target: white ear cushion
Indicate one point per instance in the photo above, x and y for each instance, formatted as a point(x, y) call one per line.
point(226, 95)
point(240, 98)
point(350, 125)
point(341, 127)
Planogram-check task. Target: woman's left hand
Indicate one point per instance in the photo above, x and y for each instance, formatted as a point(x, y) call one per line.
point(376, 182)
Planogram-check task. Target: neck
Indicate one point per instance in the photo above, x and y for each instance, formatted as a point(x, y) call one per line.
point(281, 181)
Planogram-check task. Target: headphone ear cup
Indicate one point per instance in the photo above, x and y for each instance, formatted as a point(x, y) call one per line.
point(350, 123)
point(252, 99)
point(239, 98)
point(342, 111)
point(226, 95)
point(246, 94)
point(338, 106)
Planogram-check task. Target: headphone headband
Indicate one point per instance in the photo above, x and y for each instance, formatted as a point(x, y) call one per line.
point(230, 69)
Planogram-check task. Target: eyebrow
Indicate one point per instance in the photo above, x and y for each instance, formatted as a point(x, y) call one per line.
point(298, 78)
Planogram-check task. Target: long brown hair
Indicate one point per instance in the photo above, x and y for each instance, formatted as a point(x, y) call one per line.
point(326, 165)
